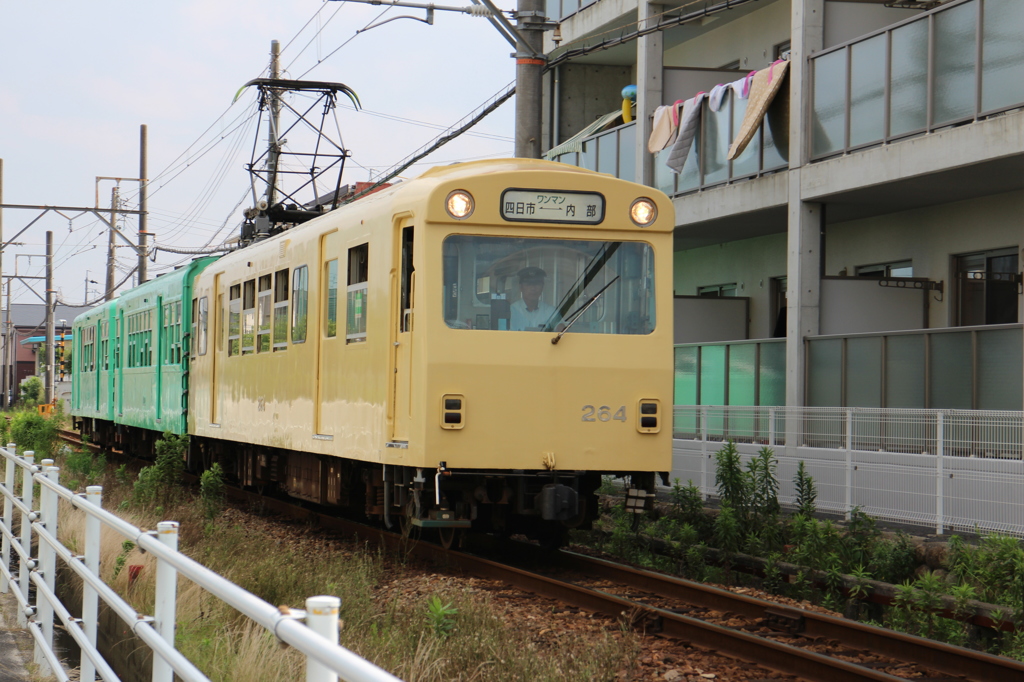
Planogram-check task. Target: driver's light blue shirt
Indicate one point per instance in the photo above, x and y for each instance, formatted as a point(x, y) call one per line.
point(523, 319)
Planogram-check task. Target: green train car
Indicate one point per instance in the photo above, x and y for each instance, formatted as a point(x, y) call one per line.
point(130, 370)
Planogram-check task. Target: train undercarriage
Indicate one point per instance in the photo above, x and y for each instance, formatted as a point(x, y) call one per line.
point(542, 505)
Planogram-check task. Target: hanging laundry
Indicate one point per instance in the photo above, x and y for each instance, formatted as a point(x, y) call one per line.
point(765, 84)
point(663, 129)
point(716, 96)
point(740, 87)
point(689, 122)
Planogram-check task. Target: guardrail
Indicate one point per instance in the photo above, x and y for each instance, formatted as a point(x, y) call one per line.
point(317, 639)
point(949, 469)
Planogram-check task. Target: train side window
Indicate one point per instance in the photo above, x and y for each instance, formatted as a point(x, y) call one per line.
point(204, 316)
point(104, 345)
point(300, 300)
point(194, 330)
point(249, 317)
point(281, 310)
point(235, 320)
point(331, 300)
point(408, 280)
point(263, 315)
point(358, 276)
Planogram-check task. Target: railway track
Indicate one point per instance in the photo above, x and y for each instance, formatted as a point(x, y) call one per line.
point(816, 646)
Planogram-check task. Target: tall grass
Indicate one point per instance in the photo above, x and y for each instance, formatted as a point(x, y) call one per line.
point(382, 624)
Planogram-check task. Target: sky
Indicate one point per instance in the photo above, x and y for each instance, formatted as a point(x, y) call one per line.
point(81, 78)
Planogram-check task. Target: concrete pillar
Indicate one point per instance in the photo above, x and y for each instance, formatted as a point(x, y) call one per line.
point(649, 53)
point(803, 268)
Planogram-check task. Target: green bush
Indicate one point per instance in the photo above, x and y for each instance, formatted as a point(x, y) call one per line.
point(211, 490)
point(31, 391)
point(157, 484)
point(32, 431)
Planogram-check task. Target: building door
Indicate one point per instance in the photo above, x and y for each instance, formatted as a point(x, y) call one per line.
point(403, 295)
point(329, 351)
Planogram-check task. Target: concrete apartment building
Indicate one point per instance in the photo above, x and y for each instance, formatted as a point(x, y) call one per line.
point(864, 249)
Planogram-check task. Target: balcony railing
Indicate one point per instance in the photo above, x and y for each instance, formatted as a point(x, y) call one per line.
point(614, 151)
point(957, 63)
point(559, 9)
point(610, 151)
point(708, 165)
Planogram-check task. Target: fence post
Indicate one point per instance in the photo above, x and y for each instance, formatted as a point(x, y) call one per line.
point(322, 618)
point(704, 451)
point(47, 563)
point(771, 426)
point(8, 514)
point(90, 600)
point(849, 464)
point(164, 613)
point(25, 566)
point(940, 492)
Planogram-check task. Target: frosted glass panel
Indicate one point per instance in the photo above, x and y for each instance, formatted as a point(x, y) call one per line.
point(955, 44)
point(867, 91)
point(908, 89)
point(950, 371)
point(741, 373)
point(588, 157)
point(664, 179)
point(607, 154)
point(773, 374)
point(712, 375)
point(1002, 64)
point(689, 178)
point(627, 153)
point(569, 6)
point(904, 371)
point(864, 372)
point(829, 116)
point(825, 377)
point(716, 144)
point(747, 162)
point(686, 375)
point(999, 369)
point(775, 131)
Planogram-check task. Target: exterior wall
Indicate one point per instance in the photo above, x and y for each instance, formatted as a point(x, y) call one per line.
point(586, 92)
point(751, 39)
point(929, 237)
point(750, 263)
point(848, 20)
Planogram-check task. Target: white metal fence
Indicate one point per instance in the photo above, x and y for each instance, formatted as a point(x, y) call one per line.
point(325, 659)
point(947, 469)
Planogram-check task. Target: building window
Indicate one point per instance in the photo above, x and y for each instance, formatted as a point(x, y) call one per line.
point(717, 290)
point(733, 65)
point(300, 294)
point(782, 50)
point(358, 276)
point(780, 306)
point(281, 310)
point(986, 287)
point(904, 268)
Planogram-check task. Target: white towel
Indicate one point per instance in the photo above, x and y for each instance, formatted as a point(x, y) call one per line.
point(689, 122)
point(739, 87)
point(716, 96)
point(663, 130)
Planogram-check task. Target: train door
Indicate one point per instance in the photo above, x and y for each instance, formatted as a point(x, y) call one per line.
point(403, 321)
point(329, 341)
point(218, 347)
point(158, 355)
point(117, 394)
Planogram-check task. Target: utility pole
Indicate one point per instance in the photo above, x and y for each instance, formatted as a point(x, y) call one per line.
point(530, 61)
point(273, 145)
point(50, 350)
point(111, 244)
point(143, 202)
point(3, 362)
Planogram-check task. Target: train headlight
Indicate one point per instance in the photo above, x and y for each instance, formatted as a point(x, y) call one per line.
point(459, 204)
point(643, 212)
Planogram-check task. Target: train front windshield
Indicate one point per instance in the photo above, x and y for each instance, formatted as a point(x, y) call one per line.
point(580, 286)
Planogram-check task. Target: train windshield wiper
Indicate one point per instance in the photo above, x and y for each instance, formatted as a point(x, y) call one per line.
point(582, 309)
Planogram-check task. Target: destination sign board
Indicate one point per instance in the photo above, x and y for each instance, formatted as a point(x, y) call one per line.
point(545, 206)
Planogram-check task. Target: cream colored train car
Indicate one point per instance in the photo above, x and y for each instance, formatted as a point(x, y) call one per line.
point(474, 347)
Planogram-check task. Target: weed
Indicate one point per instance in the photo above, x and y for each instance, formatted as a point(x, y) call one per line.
point(806, 492)
point(440, 616)
point(157, 483)
point(211, 490)
point(730, 479)
point(126, 548)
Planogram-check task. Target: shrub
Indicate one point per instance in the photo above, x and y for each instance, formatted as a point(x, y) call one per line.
point(157, 483)
point(32, 431)
point(806, 493)
point(31, 391)
point(211, 490)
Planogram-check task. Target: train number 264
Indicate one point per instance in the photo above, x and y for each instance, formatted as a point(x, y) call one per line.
point(603, 414)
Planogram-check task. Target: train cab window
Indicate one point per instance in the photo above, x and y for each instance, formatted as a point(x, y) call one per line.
point(408, 282)
point(281, 310)
point(249, 317)
point(235, 320)
point(595, 287)
point(204, 316)
point(263, 315)
point(358, 277)
point(300, 301)
point(331, 299)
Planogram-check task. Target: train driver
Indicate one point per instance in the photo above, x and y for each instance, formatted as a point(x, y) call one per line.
point(530, 313)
